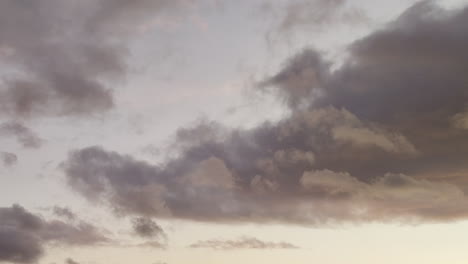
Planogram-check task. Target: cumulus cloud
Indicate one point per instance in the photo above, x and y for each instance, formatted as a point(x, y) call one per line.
point(63, 66)
point(381, 138)
point(241, 243)
point(382, 83)
point(23, 234)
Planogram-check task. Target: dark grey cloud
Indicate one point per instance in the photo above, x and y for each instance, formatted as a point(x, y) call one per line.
point(23, 234)
point(24, 135)
point(8, 159)
point(407, 77)
point(241, 243)
point(19, 247)
point(64, 56)
point(382, 138)
point(147, 228)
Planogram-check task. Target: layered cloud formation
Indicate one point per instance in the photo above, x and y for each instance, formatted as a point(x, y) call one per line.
point(381, 138)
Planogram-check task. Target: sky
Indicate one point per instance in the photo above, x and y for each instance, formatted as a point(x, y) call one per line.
point(250, 131)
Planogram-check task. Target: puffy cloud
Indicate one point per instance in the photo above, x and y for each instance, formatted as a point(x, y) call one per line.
point(393, 196)
point(314, 197)
point(405, 78)
point(23, 234)
point(241, 243)
point(147, 228)
point(460, 120)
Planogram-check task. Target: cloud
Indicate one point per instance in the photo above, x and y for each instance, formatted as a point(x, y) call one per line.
point(147, 228)
point(24, 135)
point(23, 234)
point(18, 246)
point(78, 234)
point(382, 83)
point(61, 66)
point(8, 159)
point(379, 139)
point(241, 243)
point(393, 196)
point(296, 83)
point(277, 189)
point(64, 212)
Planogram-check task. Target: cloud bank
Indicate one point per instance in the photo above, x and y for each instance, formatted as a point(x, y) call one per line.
point(382, 138)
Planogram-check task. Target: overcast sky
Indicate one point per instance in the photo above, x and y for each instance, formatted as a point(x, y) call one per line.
point(250, 131)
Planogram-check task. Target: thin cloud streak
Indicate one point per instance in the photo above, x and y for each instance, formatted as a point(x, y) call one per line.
point(241, 243)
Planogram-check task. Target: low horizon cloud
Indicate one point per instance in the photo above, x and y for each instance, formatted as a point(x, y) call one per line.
point(241, 243)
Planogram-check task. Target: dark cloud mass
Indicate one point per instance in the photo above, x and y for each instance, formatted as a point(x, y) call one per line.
point(382, 138)
point(241, 243)
point(62, 56)
point(23, 235)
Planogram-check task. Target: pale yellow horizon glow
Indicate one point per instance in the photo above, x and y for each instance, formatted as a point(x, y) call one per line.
point(361, 244)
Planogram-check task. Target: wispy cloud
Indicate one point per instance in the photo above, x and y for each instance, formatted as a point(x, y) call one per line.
point(241, 243)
